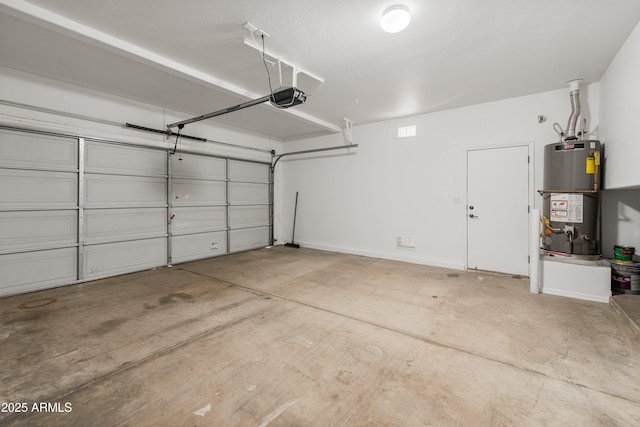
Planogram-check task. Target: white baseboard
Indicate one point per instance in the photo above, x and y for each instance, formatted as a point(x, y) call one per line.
point(405, 256)
point(577, 295)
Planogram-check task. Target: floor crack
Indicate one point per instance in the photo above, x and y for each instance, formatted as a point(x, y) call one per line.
point(424, 339)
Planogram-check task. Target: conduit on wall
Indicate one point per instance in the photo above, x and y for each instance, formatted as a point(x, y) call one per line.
point(534, 250)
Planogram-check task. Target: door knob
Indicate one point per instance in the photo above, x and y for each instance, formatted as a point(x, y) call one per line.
point(471, 207)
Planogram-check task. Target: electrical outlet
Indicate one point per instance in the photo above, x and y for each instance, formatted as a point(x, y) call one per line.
point(405, 243)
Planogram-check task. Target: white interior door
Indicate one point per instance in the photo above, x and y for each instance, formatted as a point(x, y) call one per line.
point(498, 209)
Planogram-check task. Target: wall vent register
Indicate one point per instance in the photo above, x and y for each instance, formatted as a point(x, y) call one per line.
point(406, 131)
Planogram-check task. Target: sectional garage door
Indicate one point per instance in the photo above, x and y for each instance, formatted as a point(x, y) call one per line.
point(217, 206)
point(125, 209)
point(38, 211)
point(74, 209)
point(198, 207)
point(248, 205)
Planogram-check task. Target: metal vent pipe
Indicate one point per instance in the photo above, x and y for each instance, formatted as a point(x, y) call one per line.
point(574, 87)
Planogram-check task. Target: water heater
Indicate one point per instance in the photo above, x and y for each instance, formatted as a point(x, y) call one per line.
point(572, 181)
point(571, 198)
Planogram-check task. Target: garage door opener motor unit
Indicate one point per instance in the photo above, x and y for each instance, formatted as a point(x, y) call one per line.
point(283, 98)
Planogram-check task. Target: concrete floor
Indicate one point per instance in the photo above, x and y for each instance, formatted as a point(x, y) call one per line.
point(629, 308)
point(298, 337)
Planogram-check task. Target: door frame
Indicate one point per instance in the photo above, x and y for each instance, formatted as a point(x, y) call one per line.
point(531, 190)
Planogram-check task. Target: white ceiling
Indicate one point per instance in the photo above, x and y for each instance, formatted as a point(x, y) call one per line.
point(189, 55)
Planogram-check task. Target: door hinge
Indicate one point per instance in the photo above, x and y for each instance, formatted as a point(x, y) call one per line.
point(529, 259)
point(528, 159)
point(528, 209)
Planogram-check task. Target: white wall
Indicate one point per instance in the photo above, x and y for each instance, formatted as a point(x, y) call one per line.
point(620, 220)
point(16, 86)
point(23, 88)
point(619, 113)
point(360, 203)
point(620, 109)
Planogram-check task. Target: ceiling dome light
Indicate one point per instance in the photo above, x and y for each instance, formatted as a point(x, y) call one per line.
point(395, 18)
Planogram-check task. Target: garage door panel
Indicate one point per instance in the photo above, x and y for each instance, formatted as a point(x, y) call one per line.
point(197, 246)
point(199, 167)
point(108, 191)
point(186, 192)
point(124, 257)
point(36, 151)
point(31, 189)
point(248, 216)
point(248, 193)
point(119, 159)
point(30, 271)
point(248, 171)
point(111, 225)
point(248, 238)
point(196, 220)
point(37, 229)
point(62, 221)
